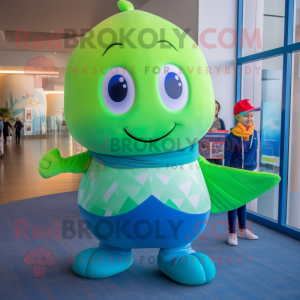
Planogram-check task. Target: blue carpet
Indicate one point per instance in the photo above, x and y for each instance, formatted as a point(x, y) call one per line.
point(268, 268)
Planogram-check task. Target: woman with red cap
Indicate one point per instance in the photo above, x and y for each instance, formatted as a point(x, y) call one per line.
point(241, 152)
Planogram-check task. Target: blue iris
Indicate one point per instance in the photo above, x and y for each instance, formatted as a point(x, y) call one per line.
point(117, 88)
point(173, 85)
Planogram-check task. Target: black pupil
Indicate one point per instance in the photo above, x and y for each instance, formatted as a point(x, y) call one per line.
point(173, 85)
point(117, 88)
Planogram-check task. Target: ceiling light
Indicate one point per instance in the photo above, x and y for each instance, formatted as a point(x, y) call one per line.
point(54, 92)
point(11, 72)
point(29, 70)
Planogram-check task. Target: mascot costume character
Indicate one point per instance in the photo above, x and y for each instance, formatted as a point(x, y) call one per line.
point(135, 98)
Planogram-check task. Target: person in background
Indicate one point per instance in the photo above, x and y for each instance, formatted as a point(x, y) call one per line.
point(218, 124)
point(241, 152)
point(18, 128)
point(1, 125)
point(1, 137)
point(6, 129)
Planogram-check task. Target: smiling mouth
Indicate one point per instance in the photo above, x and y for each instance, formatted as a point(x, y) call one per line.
point(151, 141)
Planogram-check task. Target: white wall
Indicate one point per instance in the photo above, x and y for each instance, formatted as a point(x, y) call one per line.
point(219, 15)
point(55, 104)
point(18, 85)
point(18, 92)
point(184, 14)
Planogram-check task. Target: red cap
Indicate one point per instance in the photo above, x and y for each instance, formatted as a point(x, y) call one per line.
point(243, 107)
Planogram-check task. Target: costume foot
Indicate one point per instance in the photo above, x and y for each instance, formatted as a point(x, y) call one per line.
point(101, 263)
point(191, 269)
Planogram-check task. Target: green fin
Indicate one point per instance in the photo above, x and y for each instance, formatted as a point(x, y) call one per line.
point(231, 188)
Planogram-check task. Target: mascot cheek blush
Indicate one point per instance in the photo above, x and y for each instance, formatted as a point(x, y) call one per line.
point(140, 114)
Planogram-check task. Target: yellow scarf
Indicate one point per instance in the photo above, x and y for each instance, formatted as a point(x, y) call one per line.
point(240, 130)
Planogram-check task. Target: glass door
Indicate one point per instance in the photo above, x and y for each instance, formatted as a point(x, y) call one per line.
point(262, 84)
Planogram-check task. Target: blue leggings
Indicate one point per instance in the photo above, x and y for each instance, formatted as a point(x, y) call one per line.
point(232, 215)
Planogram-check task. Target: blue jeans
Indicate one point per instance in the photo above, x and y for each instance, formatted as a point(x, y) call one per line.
point(233, 214)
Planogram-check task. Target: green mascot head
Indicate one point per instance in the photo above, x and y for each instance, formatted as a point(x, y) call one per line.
point(137, 84)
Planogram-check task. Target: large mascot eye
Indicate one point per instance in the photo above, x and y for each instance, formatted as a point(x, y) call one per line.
point(118, 90)
point(173, 87)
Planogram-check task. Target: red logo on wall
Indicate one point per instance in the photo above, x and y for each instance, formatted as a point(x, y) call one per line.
point(41, 68)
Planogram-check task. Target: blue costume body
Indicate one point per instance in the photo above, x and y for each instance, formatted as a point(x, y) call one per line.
point(151, 224)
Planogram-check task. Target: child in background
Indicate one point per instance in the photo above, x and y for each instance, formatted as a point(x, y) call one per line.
point(241, 152)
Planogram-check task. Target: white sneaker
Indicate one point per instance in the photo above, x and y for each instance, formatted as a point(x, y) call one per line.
point(232, 239)
point(247, 234)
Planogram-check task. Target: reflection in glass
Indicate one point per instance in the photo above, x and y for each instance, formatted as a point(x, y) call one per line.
point(293, 195)
point(262, 84)
point(296, 25)
point(263, 25)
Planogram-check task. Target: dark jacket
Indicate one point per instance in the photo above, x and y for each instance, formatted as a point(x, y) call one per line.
point(18, 125)
point(6, 125)
point(234, 154)
point(222, 124)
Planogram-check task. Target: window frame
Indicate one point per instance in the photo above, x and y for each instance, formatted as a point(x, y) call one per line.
point(286, 51)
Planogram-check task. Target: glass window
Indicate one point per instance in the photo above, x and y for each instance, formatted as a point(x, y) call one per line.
point(262, 84)
point(296, 22)
point(263, 25)
point(293, 195)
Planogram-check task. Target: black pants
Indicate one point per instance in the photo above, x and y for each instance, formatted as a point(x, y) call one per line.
point(18, 134)
point(5, 134)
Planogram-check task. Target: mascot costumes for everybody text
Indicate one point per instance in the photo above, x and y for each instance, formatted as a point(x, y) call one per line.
point(137, 96)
